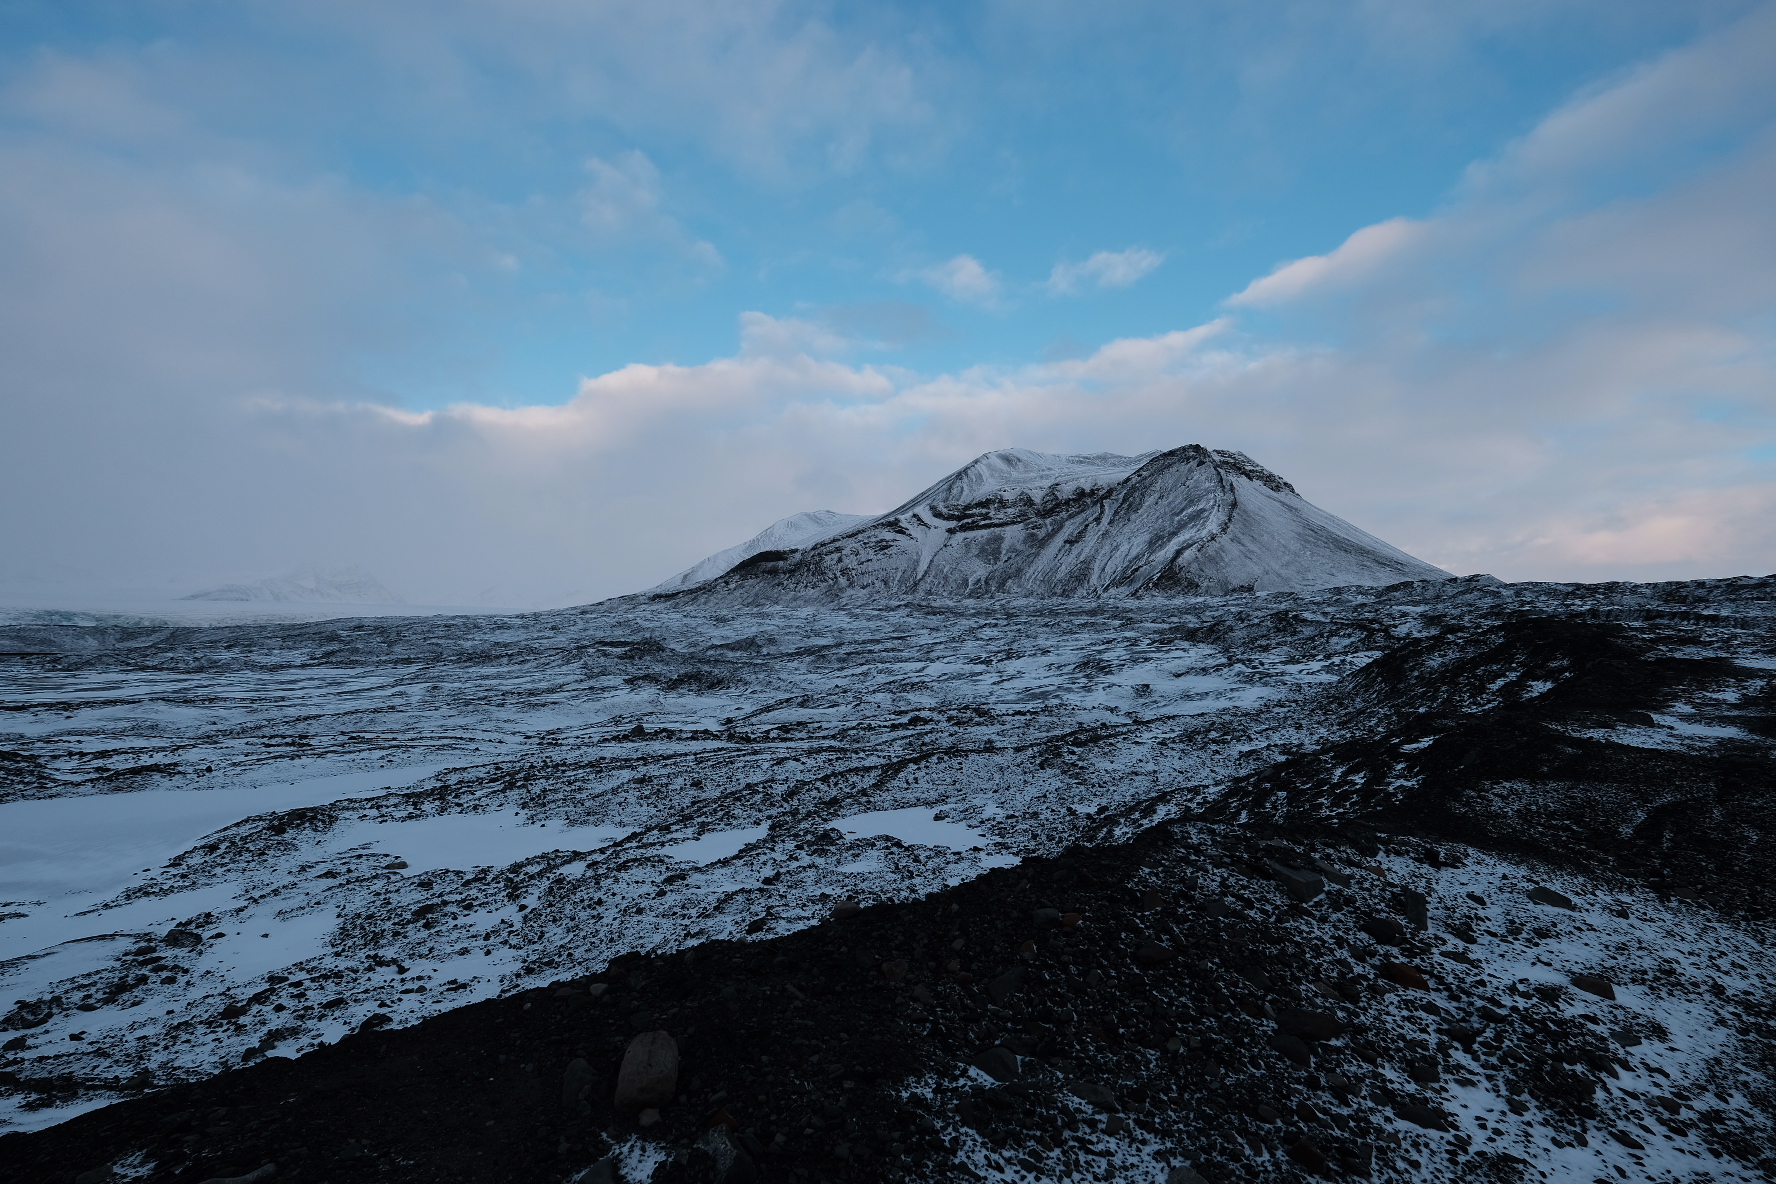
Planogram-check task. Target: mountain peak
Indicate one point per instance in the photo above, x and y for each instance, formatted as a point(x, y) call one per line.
point(1186, 521)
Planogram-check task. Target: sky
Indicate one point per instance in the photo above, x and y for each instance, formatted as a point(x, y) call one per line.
point(541, 301)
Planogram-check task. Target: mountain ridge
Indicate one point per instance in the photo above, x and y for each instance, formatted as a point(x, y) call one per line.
point(1178, 522)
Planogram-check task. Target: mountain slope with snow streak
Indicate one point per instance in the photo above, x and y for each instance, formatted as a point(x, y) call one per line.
point(1190, 521)
point(785, 534)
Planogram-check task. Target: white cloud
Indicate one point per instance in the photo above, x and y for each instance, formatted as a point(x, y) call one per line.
point(965, 281)
point(1106, 269)
point(1358, 256)
point(622, 205)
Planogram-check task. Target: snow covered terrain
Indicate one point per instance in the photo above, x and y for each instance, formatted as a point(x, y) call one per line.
point(1021, 523)
point(353, 585)
point(785, 534)
point(400, 815)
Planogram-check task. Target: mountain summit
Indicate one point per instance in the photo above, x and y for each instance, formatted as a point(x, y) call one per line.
point(1189, 521)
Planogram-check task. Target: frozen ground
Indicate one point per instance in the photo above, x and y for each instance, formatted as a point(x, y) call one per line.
point(398, 815)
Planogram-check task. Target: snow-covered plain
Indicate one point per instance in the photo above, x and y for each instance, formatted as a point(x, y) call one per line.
point(399, 815)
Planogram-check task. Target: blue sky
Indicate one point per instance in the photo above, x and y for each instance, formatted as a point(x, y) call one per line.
point(679, 268)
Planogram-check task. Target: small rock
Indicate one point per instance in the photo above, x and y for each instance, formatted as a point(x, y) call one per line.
point(895, 971)
point(1306, 1113)
point(1477, 899)
point(649, 1074)
point(1001, 1064)
point(1115, 1124)
point(1184, 1175)
point(1625, 1038)
point(1070, 921)
point(373, 1022)
point(1152, 898)
point(845, 910)
point(1308, 1025)
point(1093, 1094)
point(1550, 898)
point(1627, 1140)
point(1402, 975)
point(1430, 1119)
point(99, 1175)
point(182, 939)
point(602, 1172)
point(1267, 1113)
point(1597, 986)
point(1384, 930)
point(1046, 918)
point(234, 1011)
point(648, 1117)
point(575, 1081)
point(1027, 951)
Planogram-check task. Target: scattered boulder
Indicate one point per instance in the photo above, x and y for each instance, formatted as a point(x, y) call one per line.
point(1070, 921)
point(1550, 898)
point(1385, 930)
point(99, 1175)
point(1046, 918)
point(1417, 909)
point(649, 1075)
point(1094, 1095)
point(1003, 988)
point(1591, 983)
point(845, 910)
point(576, 1080)
point(1151, 953)
point(1429, 1118)
point(895, 971)
point(252, 1177)
point(1301, 885)
point(1311, 1158)
point(1308, 1025)
point(182, 939)
point(1182, 1174)
point(1627, 1140)
point(1000, 1063)
point(1293, 1047)
point(1402, 975)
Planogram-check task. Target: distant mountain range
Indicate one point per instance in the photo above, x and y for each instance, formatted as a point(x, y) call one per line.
point(1189, 521)
point(351, 585)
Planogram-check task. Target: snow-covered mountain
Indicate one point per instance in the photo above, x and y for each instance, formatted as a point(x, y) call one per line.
point(786, 534)
point(1189, 521)
point(351, 585)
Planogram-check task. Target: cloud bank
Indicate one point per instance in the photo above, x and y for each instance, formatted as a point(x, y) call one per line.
point(1565, 372)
